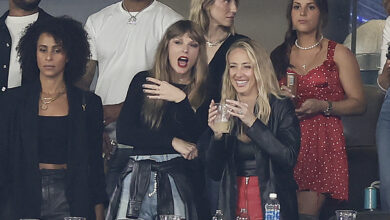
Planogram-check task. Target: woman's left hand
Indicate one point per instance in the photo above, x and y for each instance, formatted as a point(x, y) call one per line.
point(240, 110)
point(311, 107)
point(163, 90)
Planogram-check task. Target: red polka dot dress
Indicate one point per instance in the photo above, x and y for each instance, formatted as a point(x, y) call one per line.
point(322, 162)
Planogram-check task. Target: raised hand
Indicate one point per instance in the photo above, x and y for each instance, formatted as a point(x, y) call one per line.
point(241, 111)
point(158, 89)
point(213, 111)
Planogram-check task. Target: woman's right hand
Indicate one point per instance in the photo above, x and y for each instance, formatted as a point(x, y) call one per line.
point(287, 92)
point(186, 149)
point(212, 115)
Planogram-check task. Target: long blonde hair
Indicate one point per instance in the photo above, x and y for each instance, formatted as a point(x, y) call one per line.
point(263, 70)
point(199, 13)
point(153, 110)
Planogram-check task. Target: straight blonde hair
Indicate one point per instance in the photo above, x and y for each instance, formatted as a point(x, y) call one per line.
point(153, 110)
point(266, 81)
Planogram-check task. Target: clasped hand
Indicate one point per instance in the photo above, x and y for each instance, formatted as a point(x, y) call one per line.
point(158, 89)
point(186, 149)
point(310, 107)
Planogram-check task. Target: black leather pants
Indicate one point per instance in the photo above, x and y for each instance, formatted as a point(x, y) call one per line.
point(54, 203)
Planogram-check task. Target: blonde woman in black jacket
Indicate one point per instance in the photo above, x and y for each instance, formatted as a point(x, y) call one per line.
point(259, 153)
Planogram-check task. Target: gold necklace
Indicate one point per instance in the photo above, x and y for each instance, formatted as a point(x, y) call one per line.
point(47, 100)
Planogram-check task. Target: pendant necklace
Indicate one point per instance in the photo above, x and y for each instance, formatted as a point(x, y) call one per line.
point(133, 18)
point(308, 48)
point(47, 100)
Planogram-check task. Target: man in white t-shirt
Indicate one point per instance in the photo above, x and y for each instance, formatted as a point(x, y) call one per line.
point(21, 13)
point(123, 39)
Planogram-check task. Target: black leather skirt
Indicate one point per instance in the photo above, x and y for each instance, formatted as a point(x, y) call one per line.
point(54, 203)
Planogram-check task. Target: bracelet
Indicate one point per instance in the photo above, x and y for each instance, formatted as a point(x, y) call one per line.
point(328, 110)
point(379, 85)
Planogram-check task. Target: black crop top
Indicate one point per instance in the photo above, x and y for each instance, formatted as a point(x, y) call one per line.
point(53, 139)
point(245, 159)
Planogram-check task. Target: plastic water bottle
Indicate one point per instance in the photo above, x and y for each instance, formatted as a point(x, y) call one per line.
point(272, 208)
point(218, 215)
point(243, 215)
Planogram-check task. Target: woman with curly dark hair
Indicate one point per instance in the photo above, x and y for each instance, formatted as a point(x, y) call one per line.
point(51, 132)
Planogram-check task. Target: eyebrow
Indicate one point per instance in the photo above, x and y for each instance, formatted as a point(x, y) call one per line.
point(307, 3)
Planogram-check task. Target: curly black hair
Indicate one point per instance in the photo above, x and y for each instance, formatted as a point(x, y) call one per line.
point(65, 31)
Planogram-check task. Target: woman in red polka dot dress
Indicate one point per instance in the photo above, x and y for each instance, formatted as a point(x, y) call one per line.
point(328, 85)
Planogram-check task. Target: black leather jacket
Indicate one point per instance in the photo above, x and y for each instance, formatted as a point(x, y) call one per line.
point(277, 147)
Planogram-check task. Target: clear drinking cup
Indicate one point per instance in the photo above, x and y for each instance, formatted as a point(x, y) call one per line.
point(221, 122)
point(346, 214)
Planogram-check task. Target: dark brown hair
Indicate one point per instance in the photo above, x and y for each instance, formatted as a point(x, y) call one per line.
point(280, 56)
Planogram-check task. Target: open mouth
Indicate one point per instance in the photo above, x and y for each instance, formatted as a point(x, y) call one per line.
point(182, 61)
point(241, 83)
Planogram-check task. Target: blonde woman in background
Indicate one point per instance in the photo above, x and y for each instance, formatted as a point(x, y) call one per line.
point(216, 18)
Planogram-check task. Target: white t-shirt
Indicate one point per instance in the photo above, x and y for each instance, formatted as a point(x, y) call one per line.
point(16, 27)
point(124, 49)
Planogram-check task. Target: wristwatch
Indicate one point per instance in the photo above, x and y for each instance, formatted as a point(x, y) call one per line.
point(328, 109)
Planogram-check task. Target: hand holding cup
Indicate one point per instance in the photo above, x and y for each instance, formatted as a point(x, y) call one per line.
point(218, 118)
point(240, 110)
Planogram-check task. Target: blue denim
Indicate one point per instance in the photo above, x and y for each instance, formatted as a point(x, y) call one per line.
point(149, 203)
point(383, 147)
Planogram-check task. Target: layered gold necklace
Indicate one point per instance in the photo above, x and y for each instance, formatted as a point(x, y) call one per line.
point(45, 101)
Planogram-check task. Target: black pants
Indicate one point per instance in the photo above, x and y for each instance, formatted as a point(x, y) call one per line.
point(54, 203)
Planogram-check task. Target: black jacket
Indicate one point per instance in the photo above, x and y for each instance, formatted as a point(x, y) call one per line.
point(5, 48)
point(20, 179)
point(277, 146)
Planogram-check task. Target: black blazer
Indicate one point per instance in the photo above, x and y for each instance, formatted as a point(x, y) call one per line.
point(20, 180)
point(276, 151)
